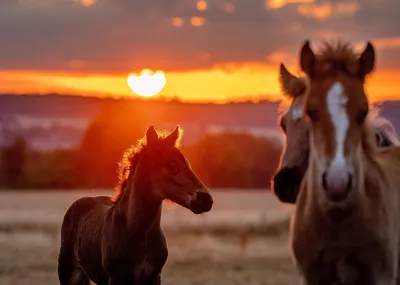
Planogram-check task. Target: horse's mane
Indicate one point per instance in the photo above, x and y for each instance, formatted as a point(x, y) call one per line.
point(382, 124)
point(129, 160)
point(338, 51)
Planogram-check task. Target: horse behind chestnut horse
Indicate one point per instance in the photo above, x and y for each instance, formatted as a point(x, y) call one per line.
point(346, 226)
point(119, 241)
point(296, 128)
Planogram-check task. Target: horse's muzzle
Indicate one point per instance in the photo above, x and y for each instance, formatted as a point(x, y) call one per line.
point(286, 184)
point(202, 203)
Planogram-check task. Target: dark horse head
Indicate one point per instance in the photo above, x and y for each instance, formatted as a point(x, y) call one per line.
point(158, 163)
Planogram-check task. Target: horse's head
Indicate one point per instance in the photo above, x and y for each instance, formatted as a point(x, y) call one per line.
point(337, 108)
point(295, 126)
point(170, 175)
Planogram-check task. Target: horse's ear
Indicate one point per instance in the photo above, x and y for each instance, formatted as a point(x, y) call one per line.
point(307, 60)
point(151, 135)
point(367, 60)
point(291, 85)
point(174, 138)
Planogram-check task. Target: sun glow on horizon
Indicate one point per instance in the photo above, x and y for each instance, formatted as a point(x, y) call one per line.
point(217, 85)
point(147, 83)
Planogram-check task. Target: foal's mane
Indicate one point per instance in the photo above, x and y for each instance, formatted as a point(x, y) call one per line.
point(339, 51)
point(129, 160)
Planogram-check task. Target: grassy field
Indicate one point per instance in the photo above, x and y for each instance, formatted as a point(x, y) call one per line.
point(243, 240)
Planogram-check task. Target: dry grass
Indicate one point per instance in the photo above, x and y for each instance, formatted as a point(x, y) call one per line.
point(242, 241)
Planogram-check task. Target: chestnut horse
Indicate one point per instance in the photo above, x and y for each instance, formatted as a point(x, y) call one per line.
point(119, 241)
point(295, 126)
point(345, 229)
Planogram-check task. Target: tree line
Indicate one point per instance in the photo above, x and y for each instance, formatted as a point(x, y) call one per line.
point(227, 160)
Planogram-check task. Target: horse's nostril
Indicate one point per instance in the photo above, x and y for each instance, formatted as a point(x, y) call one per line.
point(349, 183)
point(204, 198)
point(286, 184)
point(324, 182)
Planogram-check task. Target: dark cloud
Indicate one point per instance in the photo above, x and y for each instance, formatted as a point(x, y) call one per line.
point(123, 35)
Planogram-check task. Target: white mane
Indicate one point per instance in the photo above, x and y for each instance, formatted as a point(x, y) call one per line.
point(383, 124)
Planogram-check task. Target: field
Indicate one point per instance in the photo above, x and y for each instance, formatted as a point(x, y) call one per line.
point(243, 240)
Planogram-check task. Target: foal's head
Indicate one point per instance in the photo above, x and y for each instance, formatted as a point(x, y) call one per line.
point(294, 124)
point(165, 173)
point(337, 107)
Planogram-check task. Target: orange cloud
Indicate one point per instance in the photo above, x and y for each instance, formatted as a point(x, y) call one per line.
point(201, 5)
point(178, 22)
point(276, 4)
point(383, 43)
point(229, 8)
point(326, 10)
point(326, 34)
point(88, 3)
point(197, 21)
point(282, 57)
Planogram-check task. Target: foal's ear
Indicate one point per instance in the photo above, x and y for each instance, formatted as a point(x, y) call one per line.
point(291, 85)
point(367, 60)
point(307, 60)
point(151, 135)
point(174, 138)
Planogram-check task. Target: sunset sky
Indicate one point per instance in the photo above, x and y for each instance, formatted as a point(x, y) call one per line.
point(213, 50)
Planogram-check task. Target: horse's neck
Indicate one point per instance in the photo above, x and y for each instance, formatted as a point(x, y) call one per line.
point(141, 209)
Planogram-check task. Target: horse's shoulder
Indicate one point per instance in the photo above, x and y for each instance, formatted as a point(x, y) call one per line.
point(85, 204)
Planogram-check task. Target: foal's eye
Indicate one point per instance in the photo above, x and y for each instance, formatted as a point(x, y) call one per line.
point(174, 168)
point(361, 116)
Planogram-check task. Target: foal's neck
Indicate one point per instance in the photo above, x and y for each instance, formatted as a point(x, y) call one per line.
point(141, 208)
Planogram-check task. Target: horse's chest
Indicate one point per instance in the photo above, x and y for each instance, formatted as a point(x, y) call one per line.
point(151, 261)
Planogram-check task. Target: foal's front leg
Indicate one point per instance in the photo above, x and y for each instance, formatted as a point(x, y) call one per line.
point(121, 281)
point(157, 280)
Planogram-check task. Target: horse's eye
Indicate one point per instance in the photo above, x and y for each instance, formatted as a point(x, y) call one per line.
point(174, 168)
point(361, 116)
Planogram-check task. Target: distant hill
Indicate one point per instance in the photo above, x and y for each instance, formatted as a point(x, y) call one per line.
point(54, 121)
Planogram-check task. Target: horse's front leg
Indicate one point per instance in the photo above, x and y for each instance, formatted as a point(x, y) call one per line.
point(155, 279)
point(121, 281)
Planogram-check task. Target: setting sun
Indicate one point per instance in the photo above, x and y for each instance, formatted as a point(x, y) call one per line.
point(147, 83)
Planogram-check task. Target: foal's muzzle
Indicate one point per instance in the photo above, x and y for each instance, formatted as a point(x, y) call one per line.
point(202, 203)
point(337, 188)
point(286, 184)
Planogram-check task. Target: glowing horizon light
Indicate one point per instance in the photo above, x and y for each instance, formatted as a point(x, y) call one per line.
point(147, 83)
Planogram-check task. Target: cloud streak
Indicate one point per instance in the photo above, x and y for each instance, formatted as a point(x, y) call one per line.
point(118, 36)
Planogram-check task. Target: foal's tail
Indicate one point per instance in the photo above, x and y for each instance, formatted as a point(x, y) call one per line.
point(68, 268)
point(66, 255)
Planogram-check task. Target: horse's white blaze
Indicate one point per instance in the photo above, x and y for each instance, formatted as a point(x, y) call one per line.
point(297, 113)
point(338, 170)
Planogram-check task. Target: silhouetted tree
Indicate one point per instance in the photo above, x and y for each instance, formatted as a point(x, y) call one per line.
point(235, 160)
point(116, 128)
point(13, 160)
